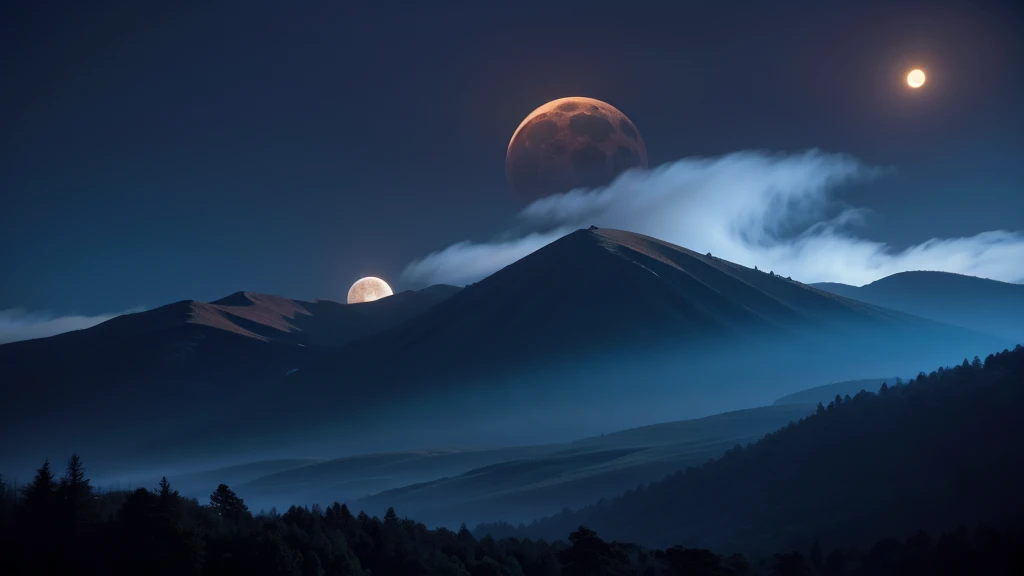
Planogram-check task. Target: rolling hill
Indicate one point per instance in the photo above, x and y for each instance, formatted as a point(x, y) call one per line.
point(578, 473)
point(449, 486)
point(828, 392)
point(976, 303)
point(935, 453)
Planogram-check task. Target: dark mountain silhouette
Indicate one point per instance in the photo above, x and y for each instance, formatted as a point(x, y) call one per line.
point(600, 287)
point(571, 323)
point(320, 323)
point(976, 303)
point(931, 454)
point(609, 287)
point(144, 376)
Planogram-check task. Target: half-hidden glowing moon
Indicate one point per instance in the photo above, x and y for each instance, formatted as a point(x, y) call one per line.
point(916, 78)
point(368, 289)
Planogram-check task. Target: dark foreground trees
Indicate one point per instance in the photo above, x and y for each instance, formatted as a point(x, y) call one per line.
point(62, 527)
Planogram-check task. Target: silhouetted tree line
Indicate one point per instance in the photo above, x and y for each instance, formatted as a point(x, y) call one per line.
point(62, 527)
point(932, 453)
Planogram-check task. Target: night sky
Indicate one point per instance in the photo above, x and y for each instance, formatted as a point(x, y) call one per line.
point(156, 153)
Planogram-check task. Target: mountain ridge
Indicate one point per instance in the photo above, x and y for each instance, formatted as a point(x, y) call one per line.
point(976, 303)
point(627, 328)
point(197, 357)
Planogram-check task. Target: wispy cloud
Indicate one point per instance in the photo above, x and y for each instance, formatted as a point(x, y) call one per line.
point(18, 324)
point(778, 212)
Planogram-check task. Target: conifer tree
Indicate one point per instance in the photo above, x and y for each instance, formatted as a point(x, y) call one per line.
point(167, 498)
point(165, 488)
point(227, 504)
point(41, 494)
point(75, 489)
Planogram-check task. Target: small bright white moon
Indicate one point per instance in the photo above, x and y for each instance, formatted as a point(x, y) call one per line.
point(368, 289)
point(915, 79)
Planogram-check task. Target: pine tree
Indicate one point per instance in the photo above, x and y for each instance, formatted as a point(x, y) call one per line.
point(165, 491)
point(390, 517)
point(227, 504)
point(346, 514)
point(75, 489)
point(976, 363)
point(884, 388)
point(37, 521)
point(167, 498)
point(41, 494)
point(821, 408)
point(839, 400)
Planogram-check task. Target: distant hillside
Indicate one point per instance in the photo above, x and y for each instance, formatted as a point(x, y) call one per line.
point(199, 484)
point(975, 303)
point(471, 485)
point(932, 454)
point(827, 393)
point(578, 473)
point(351, 477)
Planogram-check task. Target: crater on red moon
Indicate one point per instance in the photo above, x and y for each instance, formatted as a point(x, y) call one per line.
point(568, 143)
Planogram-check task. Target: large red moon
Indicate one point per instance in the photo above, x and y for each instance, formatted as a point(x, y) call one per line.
point(568, 143)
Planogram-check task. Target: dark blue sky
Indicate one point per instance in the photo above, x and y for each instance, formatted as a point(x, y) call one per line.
point(149, 155)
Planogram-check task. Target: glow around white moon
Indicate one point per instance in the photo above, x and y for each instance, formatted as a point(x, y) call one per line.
point(916, 78)
point(368, 289)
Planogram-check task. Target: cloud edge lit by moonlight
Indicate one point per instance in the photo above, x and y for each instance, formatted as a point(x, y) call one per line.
point(776, 211)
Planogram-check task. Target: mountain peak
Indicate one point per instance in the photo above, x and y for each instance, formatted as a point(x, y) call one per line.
point(599, 288)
